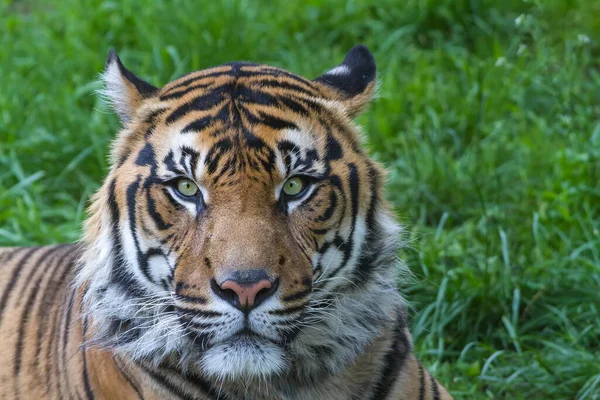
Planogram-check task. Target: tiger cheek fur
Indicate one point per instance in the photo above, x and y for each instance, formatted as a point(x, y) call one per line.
point(239, 248)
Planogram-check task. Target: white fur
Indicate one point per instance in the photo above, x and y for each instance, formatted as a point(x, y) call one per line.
point(115, 91)
point(243, 357)
point(339, 70)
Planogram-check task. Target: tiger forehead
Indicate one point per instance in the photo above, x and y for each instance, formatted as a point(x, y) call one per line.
point(252, 102)
point(229, 158)
point(236, 118)
point(240, 73)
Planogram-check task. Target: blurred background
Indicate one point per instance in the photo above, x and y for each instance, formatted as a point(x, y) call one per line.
point(487, 121)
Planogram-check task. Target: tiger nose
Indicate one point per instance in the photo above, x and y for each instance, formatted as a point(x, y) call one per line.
point(246, 289)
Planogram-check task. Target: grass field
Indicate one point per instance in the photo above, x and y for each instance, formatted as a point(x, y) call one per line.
point(488, 121)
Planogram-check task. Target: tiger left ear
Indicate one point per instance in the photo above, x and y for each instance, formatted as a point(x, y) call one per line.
point(123, 89)
point(352, 84)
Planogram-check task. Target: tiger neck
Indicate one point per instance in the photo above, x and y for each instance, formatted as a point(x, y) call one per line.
point(117, 376)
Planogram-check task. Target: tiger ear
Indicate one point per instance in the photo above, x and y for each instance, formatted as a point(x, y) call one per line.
point(352, 84)
point(123, 90)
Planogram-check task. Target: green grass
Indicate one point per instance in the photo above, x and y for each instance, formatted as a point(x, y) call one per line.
point(488, 121)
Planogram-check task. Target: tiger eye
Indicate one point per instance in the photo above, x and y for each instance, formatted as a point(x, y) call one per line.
point(293, 186)
point(187, 187)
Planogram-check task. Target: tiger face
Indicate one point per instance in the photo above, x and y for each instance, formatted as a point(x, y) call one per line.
point(241, 229)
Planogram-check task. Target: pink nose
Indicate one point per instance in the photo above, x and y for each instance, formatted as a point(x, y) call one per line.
point(246, 293)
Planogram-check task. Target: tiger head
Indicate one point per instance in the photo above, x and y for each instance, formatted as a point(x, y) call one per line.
point(241, 230)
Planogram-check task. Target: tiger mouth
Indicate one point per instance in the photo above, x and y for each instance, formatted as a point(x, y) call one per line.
point(243, 337)
point(249, 337)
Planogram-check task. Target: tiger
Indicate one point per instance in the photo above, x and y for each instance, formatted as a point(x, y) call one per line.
point(240, 247)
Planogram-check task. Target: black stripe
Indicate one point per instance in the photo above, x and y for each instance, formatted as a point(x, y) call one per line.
point(131, 213)
point(308, 199)
point(192, 155)
point(198, 327)
point(229, 167)
point(53, 350)
point(393, 362)
point(9, 254)
point(309, 103)
point(421, 382)
point(21, 336)
point(297, 296)
point(12, 283)
point(205, 386)
point(353, 184)
point(4, 255)
point(62, 352)
point(120, 273)
point(142, 258)
point(86, 379)
point(145, 260)
point(198, 313)
point(67, 324)
point(328, 212)
point(129, 379)
point(175, 204)
point(266, 70)
point(201, 103)
point(27, 310)
point(307, 163)
point(279, 84)
point(176, 94)
point(115, 219)
point(145, 156)
point(150, 203)
point(201, 124)
point(434, 388)
point(54, 334)
point(269, 120)
point(333, 149)
point(269, 80)
point(171, 164)
point(214, 154)
point(197, 78)
point(286, 311)
point(159, 222)
point(293, 105)
point(250, 96)
point(39, 263)
point(191, 299)
point(66, 329)
point(150, 121)
point(253, 141)
point(200, 382)
point(371, 250)
point(52, 290)
point(163, 381)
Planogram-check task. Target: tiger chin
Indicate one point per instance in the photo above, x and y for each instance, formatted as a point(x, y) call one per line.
point(240, 247)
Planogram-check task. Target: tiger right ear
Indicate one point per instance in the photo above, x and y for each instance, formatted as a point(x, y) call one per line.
point(123, 90)
point(351, 84)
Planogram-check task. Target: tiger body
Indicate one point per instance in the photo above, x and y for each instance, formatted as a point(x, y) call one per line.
point(239, 248)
